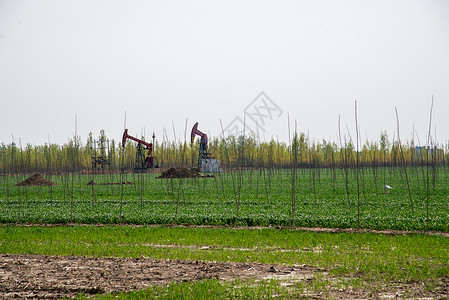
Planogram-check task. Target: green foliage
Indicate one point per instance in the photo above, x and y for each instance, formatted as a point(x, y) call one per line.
point(233, 151)
point(265, 200)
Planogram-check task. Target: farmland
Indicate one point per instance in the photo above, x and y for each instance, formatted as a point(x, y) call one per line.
point(241, 198)
point(203, 263)
point(313, 226)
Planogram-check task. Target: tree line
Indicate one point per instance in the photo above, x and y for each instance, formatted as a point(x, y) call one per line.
point(232, 151)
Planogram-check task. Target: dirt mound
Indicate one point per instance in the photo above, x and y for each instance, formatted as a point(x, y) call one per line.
point(36, 180)
point(181, 173)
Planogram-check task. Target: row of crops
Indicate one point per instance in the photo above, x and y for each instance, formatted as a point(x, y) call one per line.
point(309, 197)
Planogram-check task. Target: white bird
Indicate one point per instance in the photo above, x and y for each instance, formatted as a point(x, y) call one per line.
point(387, 187)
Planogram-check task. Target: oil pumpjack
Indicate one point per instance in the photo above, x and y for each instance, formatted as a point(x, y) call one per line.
point(206, 163)
point(142, 162)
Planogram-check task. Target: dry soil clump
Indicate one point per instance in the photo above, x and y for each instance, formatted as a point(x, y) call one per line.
point(181, 173)
point(36, 180)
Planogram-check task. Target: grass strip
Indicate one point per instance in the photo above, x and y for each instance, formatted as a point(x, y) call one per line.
point(403, 258)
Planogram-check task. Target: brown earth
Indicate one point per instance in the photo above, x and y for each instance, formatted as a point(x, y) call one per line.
point(181, 173)
point(36, 180)
point(108, 183)
point(55, 277)
point(51, 277)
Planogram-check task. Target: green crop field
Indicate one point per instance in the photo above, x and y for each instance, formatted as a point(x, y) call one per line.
point(340, 265)
point(325, 264)
point(418, 200)
point(330, 265)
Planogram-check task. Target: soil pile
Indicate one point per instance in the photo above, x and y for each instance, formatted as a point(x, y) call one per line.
point(181, 173)
point(37, 180)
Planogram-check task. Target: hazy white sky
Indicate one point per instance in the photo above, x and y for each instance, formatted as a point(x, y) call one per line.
point(167, 61)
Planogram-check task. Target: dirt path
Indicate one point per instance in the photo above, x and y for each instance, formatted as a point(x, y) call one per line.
point(54, 277)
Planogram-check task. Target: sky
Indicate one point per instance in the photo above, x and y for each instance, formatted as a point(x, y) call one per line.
point(267, 67)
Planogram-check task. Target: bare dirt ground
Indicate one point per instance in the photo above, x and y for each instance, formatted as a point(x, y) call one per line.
point(55, 277)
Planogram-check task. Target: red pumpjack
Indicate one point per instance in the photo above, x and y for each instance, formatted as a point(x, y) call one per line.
point(202, 154)
point(142, 162)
